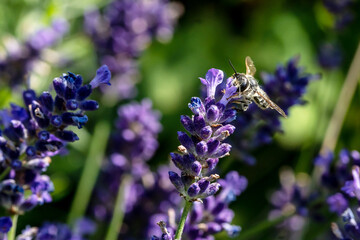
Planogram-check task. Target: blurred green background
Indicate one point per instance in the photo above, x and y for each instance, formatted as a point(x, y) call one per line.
point(207, 35)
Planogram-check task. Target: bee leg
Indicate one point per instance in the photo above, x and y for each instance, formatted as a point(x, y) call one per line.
point(233, 96)
point(243, 105)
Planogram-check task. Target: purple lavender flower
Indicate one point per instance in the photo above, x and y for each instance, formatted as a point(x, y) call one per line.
point(329, 56)
point(339, 181)
point(341, 9)
point(210, 217)
point(255, 126)
point(166, 234)
point(19, 61)
point(58, 231)
point(5, 225)
point(294, 199)
point(124, 31)
point(200, 152)
point(30, 135)
point(337, 203)
point(214, 215)
point(135, 140)
point(132, 144)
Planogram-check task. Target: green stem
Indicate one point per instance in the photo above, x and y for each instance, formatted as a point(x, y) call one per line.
point(91, 171)
point(259, 228)
point(179, 231)
point(118, 214)
point(12, 232)
point(342, 105)
point(4, 173)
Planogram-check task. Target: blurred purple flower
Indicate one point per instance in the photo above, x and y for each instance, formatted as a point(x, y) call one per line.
point(30, 136)
point(5, 225)
point(19, 61)
point(341, 9)
point(329, 56)
point(210, 217)
point(123, 31)
point(256, 127)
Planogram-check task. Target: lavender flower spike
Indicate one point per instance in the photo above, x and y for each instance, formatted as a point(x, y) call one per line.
point(200, 152)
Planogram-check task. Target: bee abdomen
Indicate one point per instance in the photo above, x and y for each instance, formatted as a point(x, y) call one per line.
point(260, 102)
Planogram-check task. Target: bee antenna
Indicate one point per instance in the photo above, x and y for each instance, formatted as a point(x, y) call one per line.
point(232, 66)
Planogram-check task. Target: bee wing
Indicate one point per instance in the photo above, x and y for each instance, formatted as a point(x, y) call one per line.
point(250, 67)
point(271, 103)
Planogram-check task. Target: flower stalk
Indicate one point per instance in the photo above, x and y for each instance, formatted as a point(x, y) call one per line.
point(12, 232)
point(342, 105)
point(118, 214)
point(90, 172)
point(179, 231)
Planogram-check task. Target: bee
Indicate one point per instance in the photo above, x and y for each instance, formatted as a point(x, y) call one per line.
point(248, 89)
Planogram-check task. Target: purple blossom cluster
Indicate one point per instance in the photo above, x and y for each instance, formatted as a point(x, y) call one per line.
point(256, 127)
point(198, 156)
point(20, 58)
point(330, 56)
point(343, 180)
point(50, 231)
point(133, 143)
point(30, 135)
point(208, 218)
point(292, 199)
point(339, 182)
point(124, 30)
point(341, 9)
point(208, 128)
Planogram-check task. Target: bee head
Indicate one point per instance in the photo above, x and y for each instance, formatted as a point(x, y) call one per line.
point(240, 81)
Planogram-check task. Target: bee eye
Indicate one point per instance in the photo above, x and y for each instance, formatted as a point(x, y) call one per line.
point(244, 84)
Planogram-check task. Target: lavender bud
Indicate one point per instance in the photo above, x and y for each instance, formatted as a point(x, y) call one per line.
point(29, 96)
point(201, 148)
point(223, 132)
point(177, 160)
point(59, 86)
point(205, 132)
point(67, 136)
point(196, 106)
point(193, 190)
point(228, 116)
point(196, 168)
point(199, 123)
point(212, 114)
point(30, 151)
point(213, 227)
point(212, 145)
point(47, 101)
point(187, 123)
point(44, 135)
point(89, 105)
point(186, 141)
point(83, 92)
point(72, 104)
point(211, 190)
point(212, 162)
point(222, 150)
point(56, 121)
point(203, 184)
point(60, 103)
point(70, 92)
point(176, 181)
